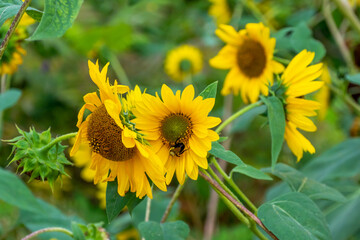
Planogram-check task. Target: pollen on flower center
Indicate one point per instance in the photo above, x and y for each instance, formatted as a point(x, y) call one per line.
point(251, 58)
point(104, 136)
point(176, 126)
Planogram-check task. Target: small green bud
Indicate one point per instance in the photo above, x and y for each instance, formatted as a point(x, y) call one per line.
point(93, 231)
point(38, 155)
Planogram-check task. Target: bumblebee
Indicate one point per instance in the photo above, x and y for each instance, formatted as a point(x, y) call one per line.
point(177, 149)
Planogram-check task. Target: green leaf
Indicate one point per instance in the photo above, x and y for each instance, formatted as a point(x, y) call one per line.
point(49, 217)
point(218, 151)
point(58, 16)
point(344, 220)
point(151, 230)
point(9, 98)
point(298, 182)
point(15, 192)
point(302, 39)
point(9, 8)
point(76, 230)
point(251, 172)
point(294, 216)
point(276, 118)
point(341, 161)
point(35, 14)
point(115, 203)
point(175, 230)
point(209, 91)
point(355, 79)
point(171, 230)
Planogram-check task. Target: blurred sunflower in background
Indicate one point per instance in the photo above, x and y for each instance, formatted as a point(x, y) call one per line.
point(183, 62)
point(12, 57)
point(249, 56)
point(220, 11)
point(178, 128)
point(298, 80)
point(116, 147)
point(323, 95)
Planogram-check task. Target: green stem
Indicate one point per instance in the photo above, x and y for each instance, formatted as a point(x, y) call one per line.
point(58, 139)
point(172, 201)
point(337, 35)
point(348, 99)
point(13, 26)
point(2, 90)
point(233, 201)
point(349, 14)
point(50, 229)
point(227, 202)
point(236, 115)
point(119, 70)
point(217, 179)
point(281, 60)
point(148, 208)
point(233, 185)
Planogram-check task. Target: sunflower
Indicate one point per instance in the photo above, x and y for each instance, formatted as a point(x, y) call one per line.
point(183, 62)
point(248, 54)
point(298, 80)
point(178, 130)
point(220, 11)
point(116, 149)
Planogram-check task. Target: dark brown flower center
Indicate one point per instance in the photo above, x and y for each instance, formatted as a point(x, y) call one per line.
point(176, 128)
point(104, 136)
point(251, 58)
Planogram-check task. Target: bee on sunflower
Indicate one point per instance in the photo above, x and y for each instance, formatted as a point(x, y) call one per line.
point(182, 62)
point(179, 130)
point(249, 56)
point(118, 150)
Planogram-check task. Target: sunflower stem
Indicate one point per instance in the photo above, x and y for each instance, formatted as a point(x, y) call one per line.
point(228, 203)
point(217, 179)
point(58, 139)
point(116, 65)
point(50, 229)
point(237, 204)
point(148, 209)
point(13, 26)
point(172, 201)
point(237, 114)
point(337, 35)
point(233, 185)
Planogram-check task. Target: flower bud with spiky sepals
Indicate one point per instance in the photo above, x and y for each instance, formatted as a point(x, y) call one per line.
point(38, 155)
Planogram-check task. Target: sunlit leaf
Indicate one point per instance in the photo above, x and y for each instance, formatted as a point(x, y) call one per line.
point(58, 16)
point(209, 91)
point(170, 230)
point(251, 172)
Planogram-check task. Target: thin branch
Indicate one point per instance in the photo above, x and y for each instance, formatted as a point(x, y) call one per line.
point(13, 26)
point(348, 12)
point(337, 35)
point(215, 185)
point(50, 229)
point(172, 201)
